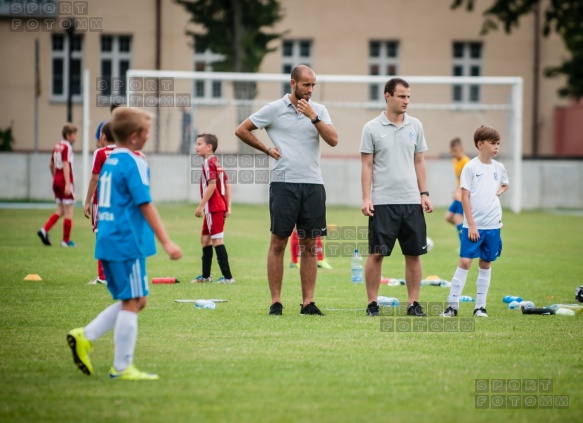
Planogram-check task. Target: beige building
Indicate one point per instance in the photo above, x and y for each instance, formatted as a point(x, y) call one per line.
point(384, 37)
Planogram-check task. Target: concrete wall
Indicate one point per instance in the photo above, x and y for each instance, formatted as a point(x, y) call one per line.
point(546, 184)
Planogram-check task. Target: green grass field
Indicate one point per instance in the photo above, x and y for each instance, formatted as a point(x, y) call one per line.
point(237, 364)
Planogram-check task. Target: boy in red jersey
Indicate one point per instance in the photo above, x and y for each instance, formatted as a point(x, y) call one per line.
point(62, 170)
point(296, 252)
point(90, 208)
point(214, 206)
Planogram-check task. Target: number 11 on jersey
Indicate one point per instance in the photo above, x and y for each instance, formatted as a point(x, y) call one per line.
point(105, 190)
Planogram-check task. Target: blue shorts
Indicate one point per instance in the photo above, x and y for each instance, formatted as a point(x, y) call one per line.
point(488, 247)
point(126, 279)
point(456, 207)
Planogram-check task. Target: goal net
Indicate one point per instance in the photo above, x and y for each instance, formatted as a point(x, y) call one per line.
point(185, 104)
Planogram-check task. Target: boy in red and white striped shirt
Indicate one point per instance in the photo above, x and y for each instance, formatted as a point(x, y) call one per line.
point(214, 206)
point(61, 167)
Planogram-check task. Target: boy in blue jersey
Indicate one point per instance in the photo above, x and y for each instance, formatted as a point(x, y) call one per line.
point(128, 222)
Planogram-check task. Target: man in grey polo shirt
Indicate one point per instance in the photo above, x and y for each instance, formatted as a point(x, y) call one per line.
point(297, 197)
point(393, 164)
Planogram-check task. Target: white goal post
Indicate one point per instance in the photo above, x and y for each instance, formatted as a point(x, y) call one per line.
point(217, 104)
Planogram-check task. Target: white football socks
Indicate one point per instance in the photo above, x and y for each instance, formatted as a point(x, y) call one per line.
point(125, 335)
point(482, 285)
point(103, 323)
point(457, 285)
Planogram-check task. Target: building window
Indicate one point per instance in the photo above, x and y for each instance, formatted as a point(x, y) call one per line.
point(116, 55)
point(60, 67)
point(383, 58)
point(294, 53)
point(203, 62)
point(467, 61)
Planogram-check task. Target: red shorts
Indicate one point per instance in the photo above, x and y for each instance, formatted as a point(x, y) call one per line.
point(60, 197)
point(94, 211)
point(214, 224)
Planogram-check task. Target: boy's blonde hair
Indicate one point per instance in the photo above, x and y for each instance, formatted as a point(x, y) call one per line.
point(126, 120)
point(68, 129)
point(485, 133)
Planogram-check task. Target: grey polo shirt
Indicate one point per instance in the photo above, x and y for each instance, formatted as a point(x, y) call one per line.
point(296, 138)
point(394, 180)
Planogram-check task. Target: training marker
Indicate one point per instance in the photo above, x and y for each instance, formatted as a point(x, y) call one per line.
point(32, 277)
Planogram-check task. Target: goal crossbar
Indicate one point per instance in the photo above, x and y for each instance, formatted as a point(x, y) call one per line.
point(514, 106)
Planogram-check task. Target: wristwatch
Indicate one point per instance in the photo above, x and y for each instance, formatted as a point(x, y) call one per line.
point(424, 193)
point(316, 120)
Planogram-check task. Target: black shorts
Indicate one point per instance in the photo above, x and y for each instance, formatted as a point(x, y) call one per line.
point(404, 222)
point(301, 205)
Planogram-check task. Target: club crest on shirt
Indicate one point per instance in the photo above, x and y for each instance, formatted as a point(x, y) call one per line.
point(411, 135)
point(495, 176)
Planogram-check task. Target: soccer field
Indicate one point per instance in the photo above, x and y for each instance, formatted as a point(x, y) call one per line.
point(237, 364)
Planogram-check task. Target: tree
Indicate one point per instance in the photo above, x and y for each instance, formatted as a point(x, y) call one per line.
point(565, 17)
point(6, 139)
point(233, 28)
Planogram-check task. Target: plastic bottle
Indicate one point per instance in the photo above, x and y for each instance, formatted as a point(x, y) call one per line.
point(356, 267)
point(565, 312)
point(575, 307)
point(514, 305)
point(526, 304)
point(467, 299)
point(387, 301)
point(509, 298)
point(208, 304)
point(394, 282)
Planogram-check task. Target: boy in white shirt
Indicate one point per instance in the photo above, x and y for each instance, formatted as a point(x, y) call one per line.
point(482, 181)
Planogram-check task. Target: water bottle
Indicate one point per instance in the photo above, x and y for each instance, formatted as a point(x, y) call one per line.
point(394, 282)
point(564, 312)
point(509, 298)
point(356, 267)
point(208, 304)
point(526, 304)
point(467, 299)
point(514, 305)
point(387, 301)
point(575, 307)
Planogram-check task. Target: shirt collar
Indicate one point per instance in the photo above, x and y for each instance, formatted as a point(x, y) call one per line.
point(387, 122)
point(288, 102)
point(286, 99)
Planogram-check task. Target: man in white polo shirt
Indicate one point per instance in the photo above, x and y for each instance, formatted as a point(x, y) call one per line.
point(393, 165)
point(297, 196)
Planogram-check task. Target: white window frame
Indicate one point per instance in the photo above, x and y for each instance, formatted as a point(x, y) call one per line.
point(466, 62)
point(62, 54)
point(295, 59)
point(115, 56)
point(208, 57)
point(383, 61)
